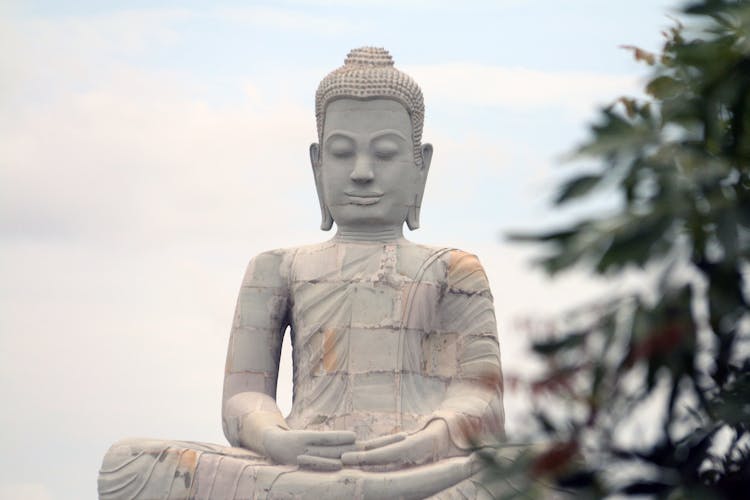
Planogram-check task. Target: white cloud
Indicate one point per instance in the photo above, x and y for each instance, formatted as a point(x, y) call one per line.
point(151, 158)
point(288, 20)
point(126, 31)
point(26, 491)
point(519, 88)
point(405, 3)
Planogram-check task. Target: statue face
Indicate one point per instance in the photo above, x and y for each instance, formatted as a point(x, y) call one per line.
point(366, 174)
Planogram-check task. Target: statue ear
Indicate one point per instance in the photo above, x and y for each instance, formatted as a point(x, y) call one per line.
point(326, 218)
point(412, 217)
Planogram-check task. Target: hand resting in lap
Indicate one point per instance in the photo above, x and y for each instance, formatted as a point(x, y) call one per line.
point(431, 444)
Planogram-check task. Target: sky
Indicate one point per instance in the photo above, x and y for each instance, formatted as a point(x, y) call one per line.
point(149, 149)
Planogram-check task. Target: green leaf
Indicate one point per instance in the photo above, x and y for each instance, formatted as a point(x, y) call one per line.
point(616, 135)
point(577, 187)
point(647, 488)
point(633, 242)
point(569, 341)
point(664, 87)
point(542, 237)
point(727, 222)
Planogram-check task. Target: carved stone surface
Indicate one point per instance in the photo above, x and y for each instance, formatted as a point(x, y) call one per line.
point(397, 378)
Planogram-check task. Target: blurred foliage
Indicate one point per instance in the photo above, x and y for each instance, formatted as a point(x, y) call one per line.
point(675, 361)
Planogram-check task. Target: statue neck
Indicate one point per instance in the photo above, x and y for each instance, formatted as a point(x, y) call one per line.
point(377, 233)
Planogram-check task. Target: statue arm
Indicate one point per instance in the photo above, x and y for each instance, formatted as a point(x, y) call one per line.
point(249, 401)
point(473, 406)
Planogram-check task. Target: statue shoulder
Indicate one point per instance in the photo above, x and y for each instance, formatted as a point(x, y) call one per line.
point(269, 269)
point(274, 267)
point(457, 269)
point(465, 273)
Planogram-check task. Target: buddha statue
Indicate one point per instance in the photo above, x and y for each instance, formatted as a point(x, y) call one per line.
point(397, 378)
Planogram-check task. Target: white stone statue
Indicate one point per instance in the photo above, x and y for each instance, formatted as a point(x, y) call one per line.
point(397, 379)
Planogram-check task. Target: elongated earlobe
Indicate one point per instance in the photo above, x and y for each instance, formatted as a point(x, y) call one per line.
point(326, 222)
point(412, 216)
point(326, 219)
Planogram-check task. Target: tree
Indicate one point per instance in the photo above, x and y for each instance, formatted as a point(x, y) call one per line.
point(679, 163)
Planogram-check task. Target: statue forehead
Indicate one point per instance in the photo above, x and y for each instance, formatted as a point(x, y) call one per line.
point(366, 115)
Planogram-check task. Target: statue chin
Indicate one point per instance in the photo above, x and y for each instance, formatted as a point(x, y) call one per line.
point(398, 386)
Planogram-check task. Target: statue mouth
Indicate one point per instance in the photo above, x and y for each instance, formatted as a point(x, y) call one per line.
point(364, 198)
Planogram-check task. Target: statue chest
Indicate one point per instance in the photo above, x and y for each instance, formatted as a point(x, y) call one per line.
point(358, 308)
point(368, 336)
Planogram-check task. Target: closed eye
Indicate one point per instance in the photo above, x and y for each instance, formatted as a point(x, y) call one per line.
point(340, 147)
point(385, 148)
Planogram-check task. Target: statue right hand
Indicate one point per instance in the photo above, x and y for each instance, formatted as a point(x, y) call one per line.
point(318, 449)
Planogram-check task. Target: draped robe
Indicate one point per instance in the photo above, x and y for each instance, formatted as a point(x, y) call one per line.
point(387, 337)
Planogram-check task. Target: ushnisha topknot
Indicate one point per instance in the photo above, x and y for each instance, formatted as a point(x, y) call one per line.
point(368, 73)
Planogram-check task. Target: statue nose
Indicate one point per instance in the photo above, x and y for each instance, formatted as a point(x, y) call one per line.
point(362, 171)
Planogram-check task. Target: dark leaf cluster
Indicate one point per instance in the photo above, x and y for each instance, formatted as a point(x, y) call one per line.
point(679, 164)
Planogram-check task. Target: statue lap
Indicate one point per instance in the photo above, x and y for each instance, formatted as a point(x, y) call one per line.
point(155, 469)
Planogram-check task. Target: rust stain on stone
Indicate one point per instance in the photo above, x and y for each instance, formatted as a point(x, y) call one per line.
point(471, 427)
point(492, 380)
point(329, 350)
point(188, 460)
point(186, 467)
point(462, 266)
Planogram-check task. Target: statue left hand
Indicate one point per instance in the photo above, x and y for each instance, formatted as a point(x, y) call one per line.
point(431, 444)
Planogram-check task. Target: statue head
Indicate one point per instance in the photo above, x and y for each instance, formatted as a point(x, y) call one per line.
point(369, 164)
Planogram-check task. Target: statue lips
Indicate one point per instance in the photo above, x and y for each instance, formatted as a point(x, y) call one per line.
point(367, 198)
